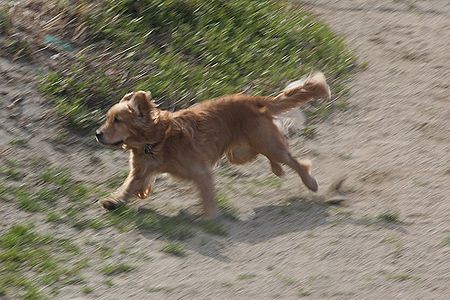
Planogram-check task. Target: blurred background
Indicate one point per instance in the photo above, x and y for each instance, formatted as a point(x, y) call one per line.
point(379, 226)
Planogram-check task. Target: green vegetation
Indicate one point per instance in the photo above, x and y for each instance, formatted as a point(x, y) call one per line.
point(114, 269)
point(447, 241)
point(174, 249)
point(389, 217)
point(246, 276)
point(309, 132)
point(224, 205)
point(185, 51)
point(29, 259)
point(212, 227)
point(302, 292)
point(401, 276)
point(18, 142)
point(87, 289)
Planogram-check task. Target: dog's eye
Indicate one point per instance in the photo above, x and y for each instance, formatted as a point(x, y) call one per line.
point(116, 120)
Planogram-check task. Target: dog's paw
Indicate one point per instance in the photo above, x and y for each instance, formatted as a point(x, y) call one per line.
point(144, 193)
point(311, 183)
point(111, 203)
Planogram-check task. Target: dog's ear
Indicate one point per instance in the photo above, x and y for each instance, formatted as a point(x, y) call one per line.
point(127, 97)
point(140, 103)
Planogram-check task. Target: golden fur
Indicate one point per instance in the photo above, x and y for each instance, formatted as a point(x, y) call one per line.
point(187, 143)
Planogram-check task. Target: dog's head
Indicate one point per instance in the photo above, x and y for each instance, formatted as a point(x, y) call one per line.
point(126, 120)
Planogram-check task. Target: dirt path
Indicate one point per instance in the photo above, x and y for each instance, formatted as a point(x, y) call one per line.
point(392, 144)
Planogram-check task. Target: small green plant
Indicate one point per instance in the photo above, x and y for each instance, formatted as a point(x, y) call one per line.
point(26, 202)
point(447, 241)
point(87, 289)
point(173, 248)
point(116, 180)
point(342, 104)
point(29, 259)
point(400, 276)
point(303, 292)
point(105, 251)
point(213, 228)
point(389, 217)
point(3, 192)
point(174, 228)
point(272, 182)
point(58, 176)
point(114, 269)
point(5, 22)
point(12, 173)
point(224, 205)
point(109, 283)
point(309, 132)
point(288, 281)
point(19, 142)
point(246, 276)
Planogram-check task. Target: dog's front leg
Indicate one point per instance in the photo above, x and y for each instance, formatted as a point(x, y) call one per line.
point(137, 183)
point(203, 179)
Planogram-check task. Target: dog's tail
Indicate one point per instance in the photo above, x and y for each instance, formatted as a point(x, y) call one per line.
point(298, 92)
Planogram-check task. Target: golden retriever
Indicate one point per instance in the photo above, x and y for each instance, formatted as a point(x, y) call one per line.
point(187, 143)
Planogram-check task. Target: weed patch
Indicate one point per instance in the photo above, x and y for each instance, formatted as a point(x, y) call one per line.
point(174, 249)
point(30, 260)
point(115, 269)
point(188, 51)
point(389, 217)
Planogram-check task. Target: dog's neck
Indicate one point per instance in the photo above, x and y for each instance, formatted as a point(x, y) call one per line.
point(152, 140)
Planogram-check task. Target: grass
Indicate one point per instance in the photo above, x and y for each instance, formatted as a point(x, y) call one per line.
point(302, 292)
point(288, 281)
point(19, 142)
point(389, 217)
point(105, 252)
point(246, 276)
point(212, 227)
point(57, 176)
point(447, 241)
point(87, 289)
point(187, 51)
point(271, 182)
point(309, 132)
point(224, 205)
point(116, 180)
point(115, 269)
point(174, 248)
point(30, 260)
point(401, 276)
point(11, 172)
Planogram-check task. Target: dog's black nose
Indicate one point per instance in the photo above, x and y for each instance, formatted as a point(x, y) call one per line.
point(98, 134)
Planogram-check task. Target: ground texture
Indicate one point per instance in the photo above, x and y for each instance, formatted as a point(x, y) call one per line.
point(389, 239)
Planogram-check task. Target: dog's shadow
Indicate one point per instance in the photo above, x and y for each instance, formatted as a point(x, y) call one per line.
point(266, 223)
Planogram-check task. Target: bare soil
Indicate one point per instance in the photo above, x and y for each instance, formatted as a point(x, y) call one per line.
point(392, 145)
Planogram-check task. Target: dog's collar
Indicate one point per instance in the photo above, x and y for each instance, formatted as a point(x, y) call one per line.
point(149, 148)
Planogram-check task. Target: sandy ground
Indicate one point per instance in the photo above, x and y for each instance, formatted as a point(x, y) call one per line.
point(392, 145)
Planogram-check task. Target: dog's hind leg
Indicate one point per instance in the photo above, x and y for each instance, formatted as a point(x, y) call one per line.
point(241, 154)
point(277, 169)
point(267, 140)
